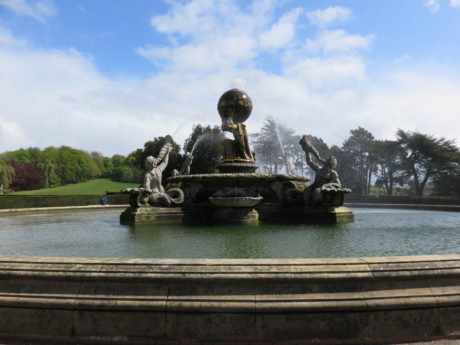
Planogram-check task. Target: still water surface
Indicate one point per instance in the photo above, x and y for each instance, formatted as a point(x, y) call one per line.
point(375, 232)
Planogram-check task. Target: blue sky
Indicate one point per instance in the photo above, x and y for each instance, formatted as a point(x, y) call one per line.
point(108, 75)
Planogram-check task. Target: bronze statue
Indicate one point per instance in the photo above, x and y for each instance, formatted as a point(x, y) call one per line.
point(237, 149)
point(234, 108)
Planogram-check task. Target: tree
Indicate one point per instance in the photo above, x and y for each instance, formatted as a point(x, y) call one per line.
point(27, 176)
point(359, 161)
point(153, 147)
point(98, 158)
point(107, 169)
point(267, 148)
point(275, 145)
point(426, 158)
point(126, 173)
point(49, 164)
point(448, 184)
point(6, 174)
point(118, 160)
point(389, 170)
point(74, 165)
point(91, 165)
point(21, 155)
point(204, 144)
point(124, 169)
point(48, 169)
point(60, 165)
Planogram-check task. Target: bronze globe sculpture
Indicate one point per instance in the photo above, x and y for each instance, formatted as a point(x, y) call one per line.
point(234, 107)
point(236, 104)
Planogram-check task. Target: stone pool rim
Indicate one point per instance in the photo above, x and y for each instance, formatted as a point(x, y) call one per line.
point(367, 300)
point(140, 301)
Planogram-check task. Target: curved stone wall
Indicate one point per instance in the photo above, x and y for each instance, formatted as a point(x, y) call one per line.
point(356, 301)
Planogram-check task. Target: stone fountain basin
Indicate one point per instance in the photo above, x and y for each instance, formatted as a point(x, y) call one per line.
point(237, 201)
point(360, 300)
point(145, 301)
point(199, 187)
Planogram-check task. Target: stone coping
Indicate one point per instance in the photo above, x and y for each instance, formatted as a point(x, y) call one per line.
point(232, 285)
point(433, 259)
point(315, 269)
point(429, 207)
point(138, 301)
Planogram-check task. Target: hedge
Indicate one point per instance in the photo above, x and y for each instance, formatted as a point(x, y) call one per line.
point(31, 201)
point(389, 199)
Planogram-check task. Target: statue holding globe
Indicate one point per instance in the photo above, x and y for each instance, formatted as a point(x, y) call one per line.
point(234, 108)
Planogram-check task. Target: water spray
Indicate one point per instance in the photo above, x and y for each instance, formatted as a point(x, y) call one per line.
point(285, 155)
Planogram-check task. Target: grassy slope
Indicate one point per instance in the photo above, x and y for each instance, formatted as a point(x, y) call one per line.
point(91, 187)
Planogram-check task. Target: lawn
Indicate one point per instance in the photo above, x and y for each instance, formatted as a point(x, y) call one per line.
point(91, 187)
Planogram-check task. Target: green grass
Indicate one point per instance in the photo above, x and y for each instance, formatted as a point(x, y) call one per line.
point(91, 187)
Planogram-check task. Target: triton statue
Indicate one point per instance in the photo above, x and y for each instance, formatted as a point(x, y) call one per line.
point(152, 192)
point(326, 189)
point(185, 168)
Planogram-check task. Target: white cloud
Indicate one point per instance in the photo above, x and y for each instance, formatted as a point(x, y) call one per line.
point(223, 53)
point(454, 3)
point(282, 32)
point(58, 97)
point(332, 73)
point(329, 16)
point(338, 41)
point(7, 38)
point(206, 18)
point(239, 83)
point(433, 5)
point(40, 10)
point(413, 100)
point(217, 35)
point(402, 59)
point(11, 133)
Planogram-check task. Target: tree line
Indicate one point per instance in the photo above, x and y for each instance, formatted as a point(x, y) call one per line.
point(411, 163)
point(34, 168)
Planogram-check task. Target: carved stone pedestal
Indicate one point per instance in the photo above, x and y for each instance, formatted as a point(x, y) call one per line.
point(241, 215)
point(304, 214)
point(237, 167)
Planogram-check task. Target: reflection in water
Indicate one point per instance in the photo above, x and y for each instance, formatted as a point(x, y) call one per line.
point(376, 232)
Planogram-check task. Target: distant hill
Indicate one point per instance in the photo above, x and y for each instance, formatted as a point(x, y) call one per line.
point(90, 187)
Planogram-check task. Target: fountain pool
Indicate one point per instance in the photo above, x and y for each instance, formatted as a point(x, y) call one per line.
point(97, 233)
point(81, 277)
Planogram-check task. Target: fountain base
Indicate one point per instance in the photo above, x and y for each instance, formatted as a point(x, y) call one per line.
point(272, 213)
point(237, 167)
point(217, 198)
point(205, 213)
point(151, 215)
point(239, 215)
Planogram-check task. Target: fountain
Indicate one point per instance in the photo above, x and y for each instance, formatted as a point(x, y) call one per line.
point(237, 194)
point(283, 295)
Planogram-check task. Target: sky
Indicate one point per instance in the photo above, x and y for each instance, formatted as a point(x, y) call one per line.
point(109, 75)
